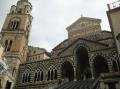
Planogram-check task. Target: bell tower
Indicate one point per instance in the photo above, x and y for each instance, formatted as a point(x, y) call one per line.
point(15, 34)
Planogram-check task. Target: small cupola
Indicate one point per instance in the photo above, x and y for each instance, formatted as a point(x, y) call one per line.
point(23, 7)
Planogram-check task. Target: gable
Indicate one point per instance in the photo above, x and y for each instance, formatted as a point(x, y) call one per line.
point(84, 27)
point(90, 45)
point(84, 22)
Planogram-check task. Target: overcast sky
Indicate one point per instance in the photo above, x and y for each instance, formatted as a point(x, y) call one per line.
point(51, 17)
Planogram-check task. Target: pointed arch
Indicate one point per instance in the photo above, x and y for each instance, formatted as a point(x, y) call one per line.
point(100, 65)
point(115, 65)
point(38, 76)
point(55, 76)
point(26, 77)
point(48, 73)
point(14, 23)
point(67, 71)
point(83, 70)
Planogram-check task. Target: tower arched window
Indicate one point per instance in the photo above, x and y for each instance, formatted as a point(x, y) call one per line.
point(14, 24)
point(6, 45)
point(14, 71)
point(9, 46)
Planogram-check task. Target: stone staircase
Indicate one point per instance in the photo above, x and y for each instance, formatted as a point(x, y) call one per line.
point(83, 84)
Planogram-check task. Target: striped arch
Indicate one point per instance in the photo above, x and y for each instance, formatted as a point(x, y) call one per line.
point(115, 61)
point(40, 66)
point(81, 45)
point(81, 56)
point(26, 76)
point(52, 73)
point(66, 60)
point(92, 58)
point(67, 70)
point(28, 67)
point(100, 63)
point(38, 75)
point(51, 64)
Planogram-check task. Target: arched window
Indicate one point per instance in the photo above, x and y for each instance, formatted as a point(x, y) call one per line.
point(6, 44)
point(14, 71)
point(35, 78)
point(118, 64)
point(52, 75)
point(9, 46)
point(48, 78)
point(55, 75)
point(29, 77)
point(38, 76)
point(26, 78)
point(115, 66)
point(41, 79)
point(14, 24)
point(23, 78)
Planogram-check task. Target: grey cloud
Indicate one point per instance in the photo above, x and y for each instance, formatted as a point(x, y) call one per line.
point(51, 17)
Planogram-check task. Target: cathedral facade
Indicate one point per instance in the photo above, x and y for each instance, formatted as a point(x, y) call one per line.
point(87, 59)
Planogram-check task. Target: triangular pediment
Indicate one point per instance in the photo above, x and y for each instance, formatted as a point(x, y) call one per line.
point(84, 22)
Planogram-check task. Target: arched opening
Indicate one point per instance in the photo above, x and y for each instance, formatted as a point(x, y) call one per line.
point(52, 75)
point(118, 65)
point(14, 24)
point(41, 76)
point(35, 78)
point(48, 78)
point(67, 71)
point(83, 68)
point(23, 78)
point(55, 76)
point(29, 77)
point(115, 67)
point(100, 65)
point(8, 85)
